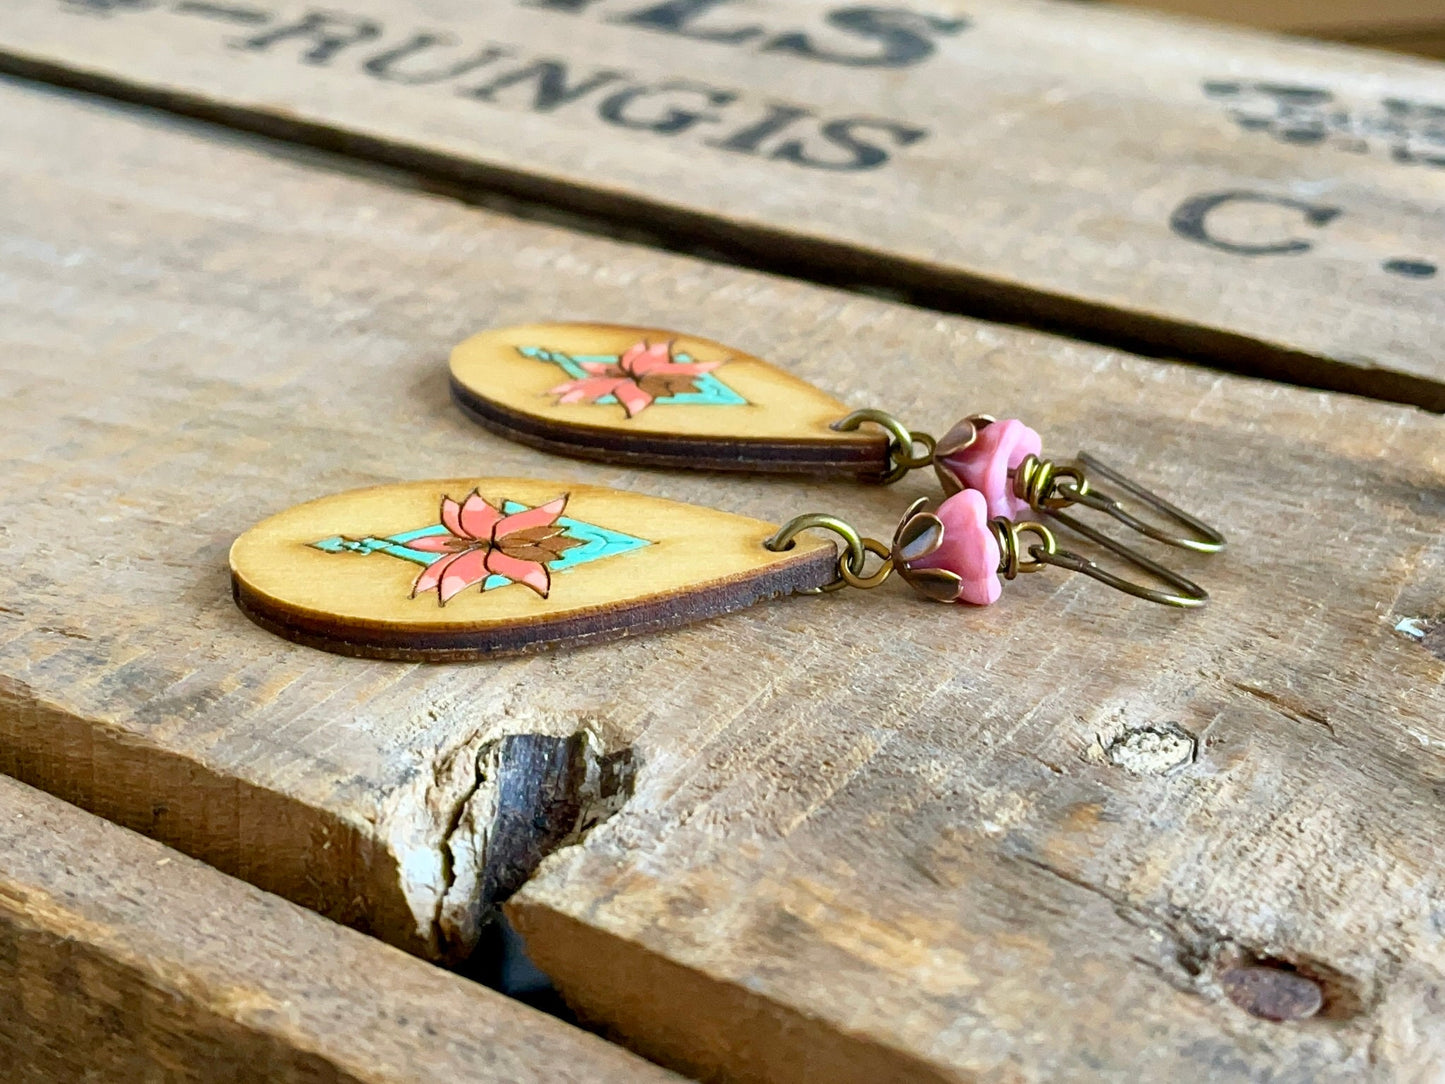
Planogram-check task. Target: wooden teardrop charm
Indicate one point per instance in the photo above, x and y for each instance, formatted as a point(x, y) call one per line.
point(656, 398)
point(466, 568)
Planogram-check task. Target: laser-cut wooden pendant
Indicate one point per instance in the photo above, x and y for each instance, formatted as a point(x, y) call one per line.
point(656, 398)
point(466, 568)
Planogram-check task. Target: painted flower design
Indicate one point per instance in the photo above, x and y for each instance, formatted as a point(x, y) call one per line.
point(643, 373)
point(483, 541)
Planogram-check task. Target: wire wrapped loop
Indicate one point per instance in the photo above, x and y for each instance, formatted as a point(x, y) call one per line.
point(1046, 485)
point(1015, 557)
point(1049, 487)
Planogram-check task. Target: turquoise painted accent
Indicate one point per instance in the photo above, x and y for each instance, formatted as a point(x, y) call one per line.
point(710, 390)
point(394, 545)
point(597, 542)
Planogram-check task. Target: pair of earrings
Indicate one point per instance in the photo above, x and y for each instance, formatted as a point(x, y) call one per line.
point(478, 566)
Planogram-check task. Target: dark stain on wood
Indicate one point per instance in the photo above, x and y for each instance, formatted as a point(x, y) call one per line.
point(1434, 639)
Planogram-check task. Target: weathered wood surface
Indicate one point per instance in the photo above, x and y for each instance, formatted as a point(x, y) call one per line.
point(122, 960)
point(1259, 204)
point(872, 837)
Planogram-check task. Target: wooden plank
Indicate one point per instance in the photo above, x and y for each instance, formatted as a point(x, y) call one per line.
point(1266, 206)
point(866, 832)
point(121, 959)
point(1317, 17)
point(1404, 26)
point(1423, 40)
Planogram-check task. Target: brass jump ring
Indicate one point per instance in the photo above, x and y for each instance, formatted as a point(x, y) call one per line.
point(852, 556)
point(854, 577)
point(1011, 549)
point(902, 444)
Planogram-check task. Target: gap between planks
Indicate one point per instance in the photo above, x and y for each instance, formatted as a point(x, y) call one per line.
point(121, 959)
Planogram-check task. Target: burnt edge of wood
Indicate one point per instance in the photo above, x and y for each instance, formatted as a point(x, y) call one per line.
point(865, 463)
point(419, 644)
point(824, 261)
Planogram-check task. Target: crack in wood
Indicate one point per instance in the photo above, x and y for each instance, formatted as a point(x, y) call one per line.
point(527, 796)
point(1290, 709)
point(1209, 962)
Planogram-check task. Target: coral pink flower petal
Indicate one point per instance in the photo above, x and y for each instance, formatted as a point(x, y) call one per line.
point(431, 576)
point(433, 543)
point(590, 389)
point(544, 515)
point(478, 517)
point(642, 359)
point(532, 573)
point(984, 465)
point(633, 399)
point(969, 550)
point(452, 517)
point(464, 570)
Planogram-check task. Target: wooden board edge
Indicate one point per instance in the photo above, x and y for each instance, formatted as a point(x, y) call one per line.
point(694, 1023)
point(123, 960)
point(345, 873)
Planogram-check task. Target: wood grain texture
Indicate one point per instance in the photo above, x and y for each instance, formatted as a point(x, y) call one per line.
point(767, 420)
point(1261, 205)
point(1014, 843)
point(121, 959)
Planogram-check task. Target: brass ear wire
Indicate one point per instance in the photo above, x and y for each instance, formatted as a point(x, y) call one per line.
point(1051, 488)
point(1014, 558)
point(1187, 594)
point(1046, 486)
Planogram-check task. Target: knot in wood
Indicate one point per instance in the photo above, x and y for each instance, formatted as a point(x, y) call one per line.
point(1272, 993)
point(1153, 750)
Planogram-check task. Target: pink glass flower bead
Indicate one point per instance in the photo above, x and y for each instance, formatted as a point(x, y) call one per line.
point(969, 549)
point(984, 465)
